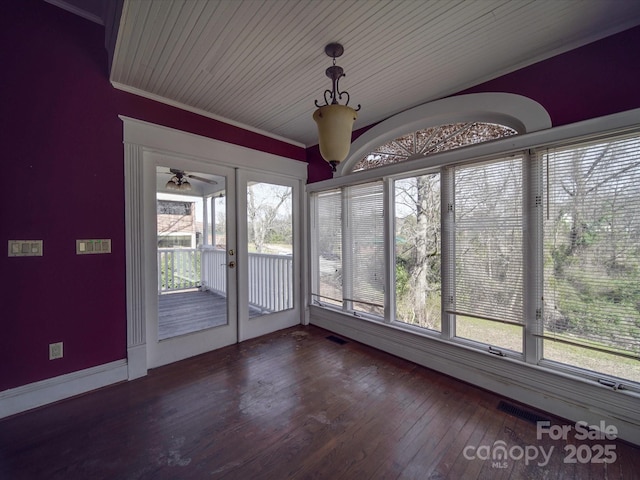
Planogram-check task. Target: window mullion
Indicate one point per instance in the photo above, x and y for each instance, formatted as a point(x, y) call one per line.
point(347, 254)
point(313, 246)
point(389, 251)
point(532, 251)
point(447, 269)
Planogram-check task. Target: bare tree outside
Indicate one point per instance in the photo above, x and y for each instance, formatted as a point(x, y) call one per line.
point(592, 245)
point(417, 222)
point(270, 246)
point(269, 218)
point(417, 233)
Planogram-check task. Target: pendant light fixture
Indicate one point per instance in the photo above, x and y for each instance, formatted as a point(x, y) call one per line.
point(335, 121)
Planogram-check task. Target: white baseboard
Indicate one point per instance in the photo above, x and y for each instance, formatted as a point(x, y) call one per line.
point(562, 395)
point(37, 394)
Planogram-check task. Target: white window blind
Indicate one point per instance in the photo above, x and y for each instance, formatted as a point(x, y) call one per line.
point(364, 259)
point(328, 285)
point(488, 241)
point(592, 245)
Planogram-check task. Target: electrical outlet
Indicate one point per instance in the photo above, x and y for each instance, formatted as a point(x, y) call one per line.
point(55, 350)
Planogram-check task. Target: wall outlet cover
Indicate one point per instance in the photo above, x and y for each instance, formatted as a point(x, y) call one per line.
point(55, 350)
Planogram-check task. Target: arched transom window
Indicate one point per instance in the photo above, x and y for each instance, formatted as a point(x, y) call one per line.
point(432, 140)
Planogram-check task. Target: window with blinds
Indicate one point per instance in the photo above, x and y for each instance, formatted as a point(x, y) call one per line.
point(364, 248)
point(592, 248)
point(328, 248)
point(539, 248)
point(417, 234)
point(487, 270)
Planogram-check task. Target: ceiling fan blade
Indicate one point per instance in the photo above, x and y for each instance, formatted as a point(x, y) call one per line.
point(202, 179)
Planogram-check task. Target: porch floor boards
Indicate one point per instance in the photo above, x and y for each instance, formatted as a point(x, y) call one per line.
point(186, 312)
point(292, 404)
point(181, 313)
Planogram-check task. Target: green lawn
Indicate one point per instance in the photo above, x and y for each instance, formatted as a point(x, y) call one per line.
point(509, 336)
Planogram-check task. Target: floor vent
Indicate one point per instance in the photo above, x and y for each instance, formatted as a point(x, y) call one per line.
point(520, 412)
point(337, 340)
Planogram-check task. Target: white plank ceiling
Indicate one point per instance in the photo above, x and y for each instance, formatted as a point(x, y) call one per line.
point(260, 63)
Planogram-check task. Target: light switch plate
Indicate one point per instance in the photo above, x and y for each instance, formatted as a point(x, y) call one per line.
point(25, 248)
point(90, 247)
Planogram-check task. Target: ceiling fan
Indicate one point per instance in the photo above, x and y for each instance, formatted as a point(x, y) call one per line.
point(179, 180)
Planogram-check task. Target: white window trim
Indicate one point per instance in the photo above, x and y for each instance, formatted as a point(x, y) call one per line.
point(558, 392)
point(515, 111)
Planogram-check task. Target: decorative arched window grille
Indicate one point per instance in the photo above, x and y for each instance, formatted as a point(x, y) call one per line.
point(432, 140)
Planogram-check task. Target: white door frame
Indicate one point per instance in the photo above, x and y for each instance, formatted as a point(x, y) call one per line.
point(141, 140)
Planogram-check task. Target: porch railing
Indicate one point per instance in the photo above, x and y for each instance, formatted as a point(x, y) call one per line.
point(270, 276)
point(270, 282)
point(214, 271)
point(178, 269)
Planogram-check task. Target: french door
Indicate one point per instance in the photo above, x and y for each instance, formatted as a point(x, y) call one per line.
point(195, 310)
point(252, 262)
point(227, 250)
point(269, 238)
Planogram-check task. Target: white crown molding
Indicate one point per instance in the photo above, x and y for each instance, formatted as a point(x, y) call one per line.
point(77, 11)
point(37, 394)
point(204, 113)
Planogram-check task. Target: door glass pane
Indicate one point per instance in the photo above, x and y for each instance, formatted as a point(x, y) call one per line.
point(270, 248)
point(417, 250)
point(191, 233)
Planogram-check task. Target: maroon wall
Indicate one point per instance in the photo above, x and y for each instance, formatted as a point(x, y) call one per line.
point(62, 180)
point(63, 172)
point(598, 79)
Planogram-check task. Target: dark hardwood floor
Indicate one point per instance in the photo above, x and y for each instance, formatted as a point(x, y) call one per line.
point(292, 404)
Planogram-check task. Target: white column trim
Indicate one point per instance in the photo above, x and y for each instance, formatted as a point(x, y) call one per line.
point(135, 268)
